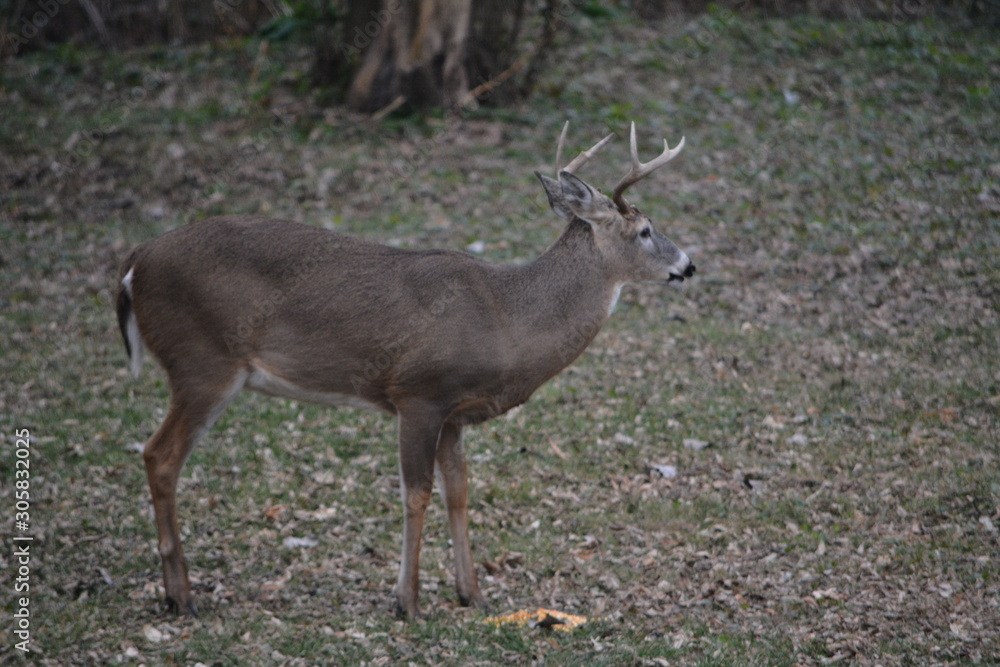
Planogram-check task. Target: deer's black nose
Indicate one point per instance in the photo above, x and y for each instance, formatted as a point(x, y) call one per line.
point(689, 271)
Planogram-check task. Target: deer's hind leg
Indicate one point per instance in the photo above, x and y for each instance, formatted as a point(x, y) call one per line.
point(191, 414)
point(419, 431)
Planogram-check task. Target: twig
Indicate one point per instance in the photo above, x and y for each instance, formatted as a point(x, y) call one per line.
point(532, 57)
point(544, 40)
point(388, 109)
point(487, 86)
point(95, 18)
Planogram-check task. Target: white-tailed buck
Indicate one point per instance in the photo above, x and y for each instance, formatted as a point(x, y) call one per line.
point(439, 338)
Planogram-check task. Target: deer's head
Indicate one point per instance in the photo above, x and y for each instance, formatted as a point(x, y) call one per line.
point(624, 236)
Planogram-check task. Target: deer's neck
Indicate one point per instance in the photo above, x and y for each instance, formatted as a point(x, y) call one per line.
point(567, 293)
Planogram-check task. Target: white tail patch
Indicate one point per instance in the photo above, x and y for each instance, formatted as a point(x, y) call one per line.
point(136, 348)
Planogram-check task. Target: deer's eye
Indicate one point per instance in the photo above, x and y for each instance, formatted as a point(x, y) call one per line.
point(646, 232)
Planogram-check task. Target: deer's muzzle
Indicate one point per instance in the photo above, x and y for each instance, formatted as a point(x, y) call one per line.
point(688, 272)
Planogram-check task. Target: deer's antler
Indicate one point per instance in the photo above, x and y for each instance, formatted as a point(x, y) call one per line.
point(580, 159)
point(640, 171)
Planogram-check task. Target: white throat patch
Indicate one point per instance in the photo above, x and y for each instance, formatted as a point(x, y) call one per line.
point(614, 298)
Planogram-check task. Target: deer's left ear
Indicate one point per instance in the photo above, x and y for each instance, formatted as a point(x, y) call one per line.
point(585, 202)
point(554, 191)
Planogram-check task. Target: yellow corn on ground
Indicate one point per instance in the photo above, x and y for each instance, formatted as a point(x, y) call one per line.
point(569, 621)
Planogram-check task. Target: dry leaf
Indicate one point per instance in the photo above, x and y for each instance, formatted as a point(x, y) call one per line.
point(623, 439)
point(325, 477)
point(558, 452)
point(696, 445)
point(274, 512)
point(321, 514)
point(296, 542)
point(827, 594)
point(666, 471)
point(152, 634)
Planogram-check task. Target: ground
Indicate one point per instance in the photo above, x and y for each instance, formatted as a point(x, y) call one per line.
point(826, 388)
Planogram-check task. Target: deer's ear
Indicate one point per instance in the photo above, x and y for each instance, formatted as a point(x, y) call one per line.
point(554, 191)
point(584, 201)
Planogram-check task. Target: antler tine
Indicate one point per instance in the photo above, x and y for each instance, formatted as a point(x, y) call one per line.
point(559, 148)
point(583, 157)
point(639, 170)
point(580, 159)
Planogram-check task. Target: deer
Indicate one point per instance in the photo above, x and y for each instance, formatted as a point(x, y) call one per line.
point(440, 339)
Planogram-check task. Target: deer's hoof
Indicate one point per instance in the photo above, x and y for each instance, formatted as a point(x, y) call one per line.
point(476, 601)
point(406, 610)
point(182, 609)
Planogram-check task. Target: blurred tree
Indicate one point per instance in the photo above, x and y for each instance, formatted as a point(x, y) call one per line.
point(416, 54)
point(427, 53)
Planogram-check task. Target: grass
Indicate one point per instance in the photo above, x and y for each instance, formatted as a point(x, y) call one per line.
point(837, 348)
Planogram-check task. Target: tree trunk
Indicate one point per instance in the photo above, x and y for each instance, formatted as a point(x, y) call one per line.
point(335, 57)
point(176, 28)
point(496, 28)
point(417, 55)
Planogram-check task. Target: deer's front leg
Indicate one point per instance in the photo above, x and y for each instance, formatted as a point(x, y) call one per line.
point(455, 487)
point(419, 431)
